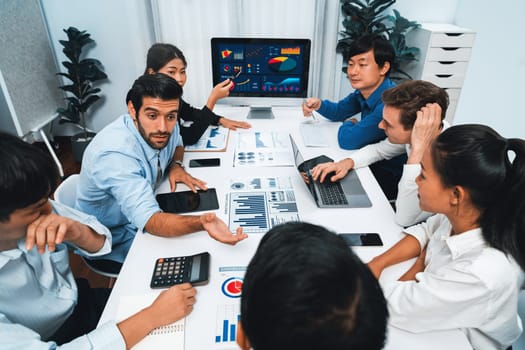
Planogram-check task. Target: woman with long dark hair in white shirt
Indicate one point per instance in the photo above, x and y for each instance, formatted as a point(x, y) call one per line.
point(467, 273)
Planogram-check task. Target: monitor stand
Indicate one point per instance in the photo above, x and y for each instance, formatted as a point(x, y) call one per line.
point(260, 112)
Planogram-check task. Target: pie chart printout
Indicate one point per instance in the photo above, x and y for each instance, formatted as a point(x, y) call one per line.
point(232, 287)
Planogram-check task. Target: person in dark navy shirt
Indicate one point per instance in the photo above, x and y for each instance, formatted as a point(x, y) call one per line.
point(370, 59)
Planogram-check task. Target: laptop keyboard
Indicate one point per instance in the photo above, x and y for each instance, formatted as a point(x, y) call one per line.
point(313, 136)
point(332, 193)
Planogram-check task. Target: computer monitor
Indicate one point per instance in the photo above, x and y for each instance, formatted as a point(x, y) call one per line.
point(266, 72)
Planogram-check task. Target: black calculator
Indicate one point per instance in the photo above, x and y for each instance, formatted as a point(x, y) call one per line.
point(181, 269)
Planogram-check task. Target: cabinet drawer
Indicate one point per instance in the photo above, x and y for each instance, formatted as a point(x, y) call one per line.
point(445, 67)
point(448, 54)
point(445, 80)
point(452, 39)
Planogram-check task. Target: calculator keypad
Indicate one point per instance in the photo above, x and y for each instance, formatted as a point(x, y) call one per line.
point(170, 271)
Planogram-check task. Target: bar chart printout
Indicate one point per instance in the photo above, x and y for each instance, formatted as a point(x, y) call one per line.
point(258, 204)
point(228, 315)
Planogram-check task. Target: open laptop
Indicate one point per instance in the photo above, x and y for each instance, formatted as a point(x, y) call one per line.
point(345, 193)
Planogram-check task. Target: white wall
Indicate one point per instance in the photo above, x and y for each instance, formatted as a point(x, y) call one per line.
point(415, 10)
point(494, 89)
point(122, 31)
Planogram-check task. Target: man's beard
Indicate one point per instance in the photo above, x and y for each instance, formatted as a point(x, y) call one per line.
point(148, 137)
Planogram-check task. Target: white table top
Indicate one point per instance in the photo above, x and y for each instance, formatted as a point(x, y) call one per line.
point(201, 324)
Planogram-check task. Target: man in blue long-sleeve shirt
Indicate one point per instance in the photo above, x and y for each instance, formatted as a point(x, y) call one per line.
point(369, 63)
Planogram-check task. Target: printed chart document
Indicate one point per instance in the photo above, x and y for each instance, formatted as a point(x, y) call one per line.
point(167, 337)
point(228, 307)
point(260, 148)
point(257, 204)
point(214, 139)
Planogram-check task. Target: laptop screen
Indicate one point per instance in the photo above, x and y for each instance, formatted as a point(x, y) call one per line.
point(298, 158)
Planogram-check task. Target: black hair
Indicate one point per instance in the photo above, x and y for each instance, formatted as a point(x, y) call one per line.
point(411, 95)
point(160, 54)
point(383, 50)
point(477, 158)
point(27, 174)
point(305, 289)
point(153, 85)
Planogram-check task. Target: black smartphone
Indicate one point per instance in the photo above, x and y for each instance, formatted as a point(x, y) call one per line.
point(362, 239)
point(204, 162)
point(181, 269)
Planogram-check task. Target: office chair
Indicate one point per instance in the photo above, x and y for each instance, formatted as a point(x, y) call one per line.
point(66, 194)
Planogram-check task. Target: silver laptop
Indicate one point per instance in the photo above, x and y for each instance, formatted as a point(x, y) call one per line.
point(345, 193)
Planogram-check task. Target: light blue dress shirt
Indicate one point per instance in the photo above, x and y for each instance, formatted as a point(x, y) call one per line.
point(117, 180)
point(38, 293)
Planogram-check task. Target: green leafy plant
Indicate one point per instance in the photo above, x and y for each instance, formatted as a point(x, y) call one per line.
point(82, 73)
point(370, 17)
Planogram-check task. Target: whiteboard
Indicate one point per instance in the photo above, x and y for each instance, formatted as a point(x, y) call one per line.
point(29, 94)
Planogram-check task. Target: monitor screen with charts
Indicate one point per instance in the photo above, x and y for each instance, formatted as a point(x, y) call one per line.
point(265, 72)
point(345, 193)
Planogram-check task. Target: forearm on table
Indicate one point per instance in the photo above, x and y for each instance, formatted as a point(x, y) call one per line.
point(418, 266)
point(136, 327)
point(407, 248)
point(170, 225)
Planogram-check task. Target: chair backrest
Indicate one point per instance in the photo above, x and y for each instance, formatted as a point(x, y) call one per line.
point(66, 192)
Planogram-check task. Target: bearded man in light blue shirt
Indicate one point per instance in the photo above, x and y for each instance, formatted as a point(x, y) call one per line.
point(41, 304)
point(124, 163)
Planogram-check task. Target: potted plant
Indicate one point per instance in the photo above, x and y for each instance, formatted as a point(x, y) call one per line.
point(369, 17)
point(82, 74)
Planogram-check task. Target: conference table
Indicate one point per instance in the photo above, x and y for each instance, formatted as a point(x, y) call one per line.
point(211, 325)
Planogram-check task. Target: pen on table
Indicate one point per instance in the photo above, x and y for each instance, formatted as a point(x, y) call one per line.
point(307, 105)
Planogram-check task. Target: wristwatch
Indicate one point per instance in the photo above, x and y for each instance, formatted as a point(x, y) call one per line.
point(179, 162)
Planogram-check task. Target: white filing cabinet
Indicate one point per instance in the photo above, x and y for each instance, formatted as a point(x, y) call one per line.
point(444, 54)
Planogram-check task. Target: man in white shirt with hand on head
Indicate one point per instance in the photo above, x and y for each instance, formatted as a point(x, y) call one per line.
point(413, 116)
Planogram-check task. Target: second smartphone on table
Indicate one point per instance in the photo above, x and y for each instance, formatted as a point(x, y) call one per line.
point(204, 162)
point(362, 239)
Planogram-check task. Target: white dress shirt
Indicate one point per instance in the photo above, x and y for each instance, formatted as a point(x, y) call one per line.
point(407, 203)
point(38, 293)
point(466, 285)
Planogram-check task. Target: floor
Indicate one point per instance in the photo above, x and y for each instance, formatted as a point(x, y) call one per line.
point(80, 270)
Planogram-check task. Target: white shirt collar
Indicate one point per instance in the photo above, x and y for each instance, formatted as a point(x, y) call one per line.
point(465, 242)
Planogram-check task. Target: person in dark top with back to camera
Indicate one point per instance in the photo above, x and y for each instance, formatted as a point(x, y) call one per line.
point(370, 59)
point(169, 60)
point(305, 289)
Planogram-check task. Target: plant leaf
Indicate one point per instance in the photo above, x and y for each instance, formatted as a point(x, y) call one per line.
point(369, 17)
